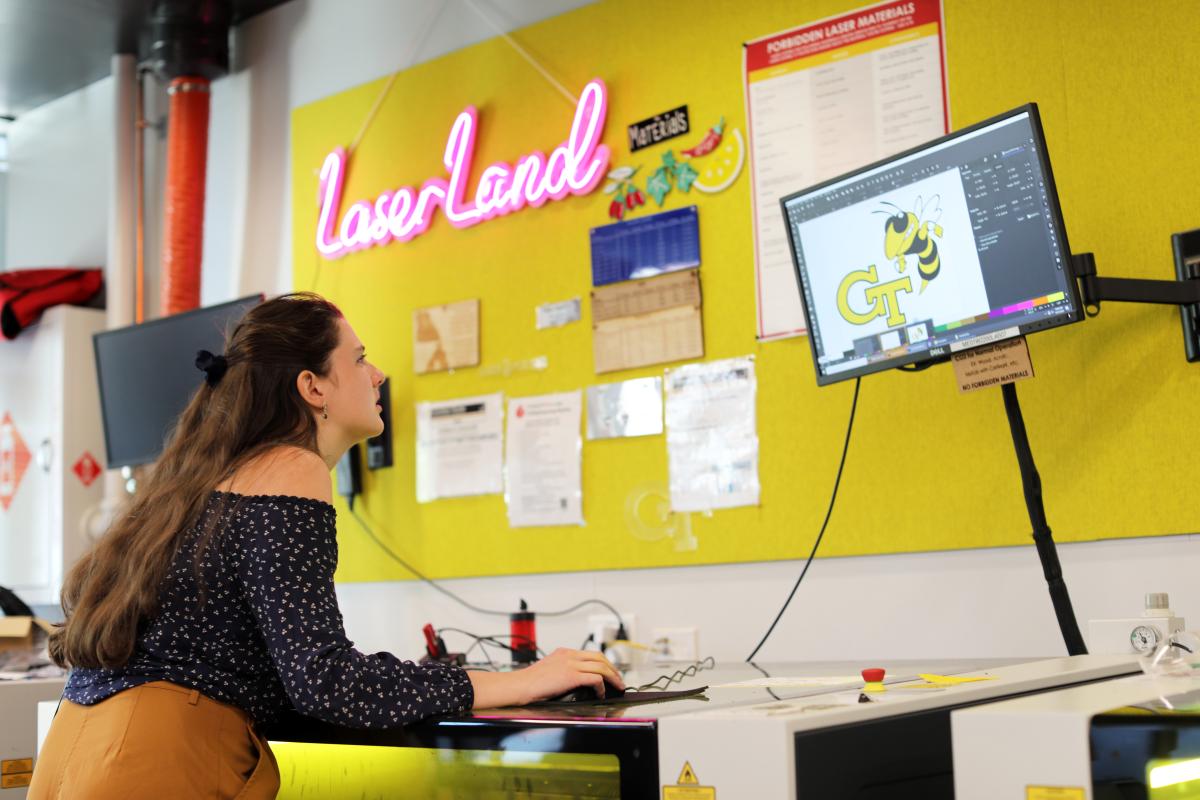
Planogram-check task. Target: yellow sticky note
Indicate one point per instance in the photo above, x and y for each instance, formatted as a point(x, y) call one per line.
point(952, 680)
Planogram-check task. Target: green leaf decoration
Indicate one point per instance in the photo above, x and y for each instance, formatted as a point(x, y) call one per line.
point(685, 176)
point(659, 185)
point(669, 159)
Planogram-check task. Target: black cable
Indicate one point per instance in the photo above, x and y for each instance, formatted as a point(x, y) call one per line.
point(496, 637)
point(580, 605)
point(765, 675)
point(828, 513)
point(467, 655)
point(367, 529)
point(1031, 483)
point(493, 639)
point(482, 649)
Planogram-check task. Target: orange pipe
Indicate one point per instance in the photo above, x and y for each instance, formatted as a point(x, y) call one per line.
point(139, 182)
point(183, 212)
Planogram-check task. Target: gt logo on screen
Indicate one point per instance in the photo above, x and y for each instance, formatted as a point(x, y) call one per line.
point(905, 233)
point(881, 299)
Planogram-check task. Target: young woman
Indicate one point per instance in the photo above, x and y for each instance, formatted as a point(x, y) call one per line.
point(208, 608)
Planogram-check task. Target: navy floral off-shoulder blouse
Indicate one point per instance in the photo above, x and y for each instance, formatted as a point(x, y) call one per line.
point(269, 636)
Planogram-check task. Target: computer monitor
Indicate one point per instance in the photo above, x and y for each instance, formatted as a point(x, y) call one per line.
point(147, 374)
point(945, 247)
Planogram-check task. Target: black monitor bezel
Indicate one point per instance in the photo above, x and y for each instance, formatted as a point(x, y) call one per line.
point(925, 358)
point(249, 300)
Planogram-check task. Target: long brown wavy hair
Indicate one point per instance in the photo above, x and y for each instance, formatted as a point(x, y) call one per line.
point(255, 406)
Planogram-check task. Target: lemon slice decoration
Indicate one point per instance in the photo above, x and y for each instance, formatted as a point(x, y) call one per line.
point(723, 166)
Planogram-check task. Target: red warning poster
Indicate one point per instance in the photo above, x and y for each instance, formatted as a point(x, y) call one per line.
point(824, 99)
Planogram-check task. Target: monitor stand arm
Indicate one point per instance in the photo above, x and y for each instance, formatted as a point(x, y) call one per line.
point(1184, 292)
point(1095, 289)
point(1032, 484)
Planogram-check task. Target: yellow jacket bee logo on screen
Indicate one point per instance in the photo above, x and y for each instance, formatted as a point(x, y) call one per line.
point(904, 234)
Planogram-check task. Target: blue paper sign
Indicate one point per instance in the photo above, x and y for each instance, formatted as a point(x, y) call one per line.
point(646, 246)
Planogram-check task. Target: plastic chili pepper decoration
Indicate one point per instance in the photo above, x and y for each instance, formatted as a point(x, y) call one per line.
point(708, 143)
point(626, 194)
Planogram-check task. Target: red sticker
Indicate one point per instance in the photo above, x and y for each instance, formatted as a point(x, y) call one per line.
point(86, 468)
point(14, 458)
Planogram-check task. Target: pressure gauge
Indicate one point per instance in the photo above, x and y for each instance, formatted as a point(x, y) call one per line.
point(1144, 638)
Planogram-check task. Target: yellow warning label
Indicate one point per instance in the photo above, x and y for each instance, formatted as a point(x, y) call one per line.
point(689, 793)
point(16, 781)
point(11, 765)
point(1054, 793)
point(688, 787)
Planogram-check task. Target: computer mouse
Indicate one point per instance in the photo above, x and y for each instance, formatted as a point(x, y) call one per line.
point(587, 694)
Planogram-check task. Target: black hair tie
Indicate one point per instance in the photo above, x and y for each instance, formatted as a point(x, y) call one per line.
point(212, 366)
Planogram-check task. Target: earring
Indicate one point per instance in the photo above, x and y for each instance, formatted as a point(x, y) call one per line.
point(325, 411)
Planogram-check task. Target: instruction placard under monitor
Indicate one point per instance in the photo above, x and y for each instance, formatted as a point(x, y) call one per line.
point(993, 365)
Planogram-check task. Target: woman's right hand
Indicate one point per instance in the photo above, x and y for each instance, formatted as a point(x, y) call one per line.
point(559, 672)
point(564, 670)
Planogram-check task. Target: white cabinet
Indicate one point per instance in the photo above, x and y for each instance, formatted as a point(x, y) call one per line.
point(49, 430)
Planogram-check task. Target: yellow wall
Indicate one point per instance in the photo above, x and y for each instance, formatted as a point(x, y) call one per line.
point(1108, 414)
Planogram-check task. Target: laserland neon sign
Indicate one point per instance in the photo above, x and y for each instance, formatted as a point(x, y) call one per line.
point(574, 167)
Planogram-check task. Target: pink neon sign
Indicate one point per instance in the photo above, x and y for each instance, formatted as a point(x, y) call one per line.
point(574, 167)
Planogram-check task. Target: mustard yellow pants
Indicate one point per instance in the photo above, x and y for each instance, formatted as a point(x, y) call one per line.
point(157, 740)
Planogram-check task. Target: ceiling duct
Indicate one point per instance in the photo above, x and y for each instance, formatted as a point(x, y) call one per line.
point(186, 45)
point(187, 39)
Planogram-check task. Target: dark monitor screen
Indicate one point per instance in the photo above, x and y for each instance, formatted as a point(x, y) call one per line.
point(945, 247)
point(147, 374)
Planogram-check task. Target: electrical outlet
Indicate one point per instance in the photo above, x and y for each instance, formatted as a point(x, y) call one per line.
point(675, 644)
point(603, 627)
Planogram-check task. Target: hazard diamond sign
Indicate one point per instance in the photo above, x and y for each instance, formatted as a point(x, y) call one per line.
point(14, 458)
point(86, 469)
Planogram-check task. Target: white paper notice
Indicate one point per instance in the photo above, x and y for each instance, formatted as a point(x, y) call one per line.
point(555, 315)
point(712, 435)
point(629, 408)
point(543, 463)
point(823, 100)
point(460, 447)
